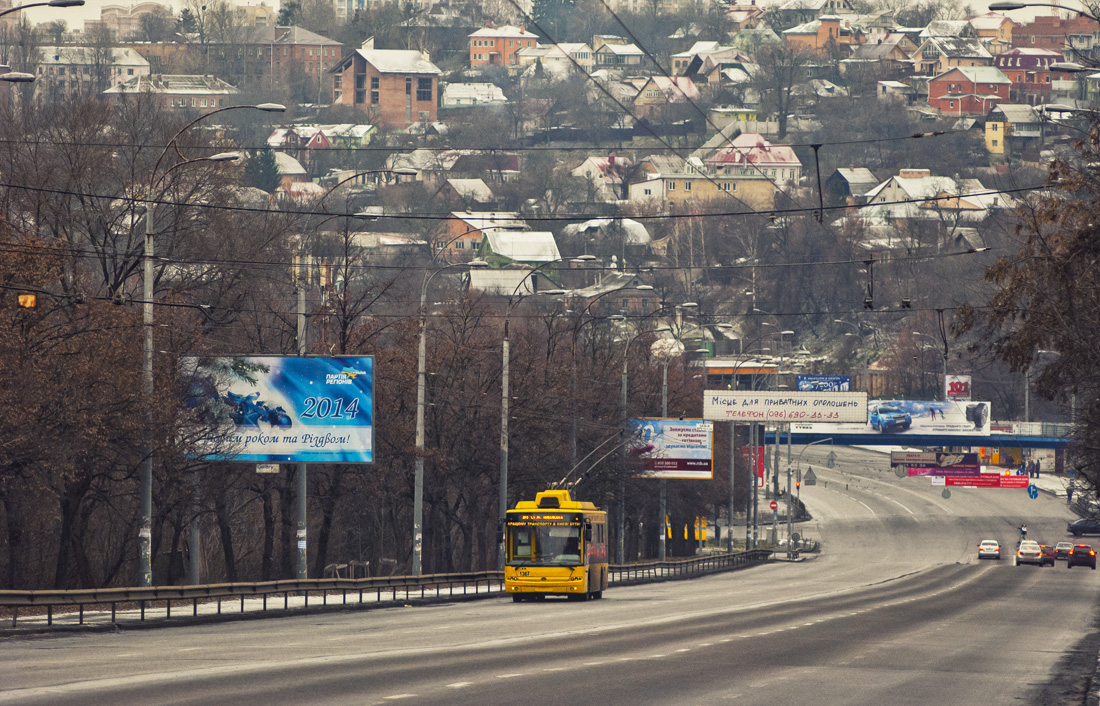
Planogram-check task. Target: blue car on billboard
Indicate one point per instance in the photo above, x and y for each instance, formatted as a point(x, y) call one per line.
point(888, 417)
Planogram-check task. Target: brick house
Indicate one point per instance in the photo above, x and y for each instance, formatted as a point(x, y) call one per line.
point(395, 87)
point(1029, 71)
point(968, 90)
point(497, 46)
point(1057, 34)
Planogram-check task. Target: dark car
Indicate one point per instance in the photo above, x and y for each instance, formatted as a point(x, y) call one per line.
point(1086, 525)
point(1048, 555)
point(887, 417)
point(1081, 555)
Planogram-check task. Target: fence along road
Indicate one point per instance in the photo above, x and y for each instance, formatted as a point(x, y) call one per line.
point(126, 606)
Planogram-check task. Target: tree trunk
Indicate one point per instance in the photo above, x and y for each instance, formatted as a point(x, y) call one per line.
point(225, 531)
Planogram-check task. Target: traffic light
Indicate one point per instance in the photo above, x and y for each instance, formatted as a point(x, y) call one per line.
point(28, 301)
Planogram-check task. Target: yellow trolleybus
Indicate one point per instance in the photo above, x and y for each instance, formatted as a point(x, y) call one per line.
point(555, 546)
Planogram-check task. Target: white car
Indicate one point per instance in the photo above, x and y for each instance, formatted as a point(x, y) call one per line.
point(1029, 553)
point(989, 549)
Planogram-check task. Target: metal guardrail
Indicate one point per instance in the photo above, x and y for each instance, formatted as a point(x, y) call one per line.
point(651, 571)
point(157, 602)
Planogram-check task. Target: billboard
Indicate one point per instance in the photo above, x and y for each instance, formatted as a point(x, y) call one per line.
point(285, 409)
point(824, 383)
point(957, 388)
point(673, 448)
point(900, 417)
point(827, 408)
point(936, 463)
point(982, 480)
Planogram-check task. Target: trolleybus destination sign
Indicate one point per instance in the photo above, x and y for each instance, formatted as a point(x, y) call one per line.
point(761, 406)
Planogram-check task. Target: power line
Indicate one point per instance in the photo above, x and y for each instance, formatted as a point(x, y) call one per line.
point(538, 219)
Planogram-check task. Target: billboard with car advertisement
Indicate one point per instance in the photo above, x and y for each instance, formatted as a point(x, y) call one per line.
point(900, 417)
point(673, 448)
point(283, 409)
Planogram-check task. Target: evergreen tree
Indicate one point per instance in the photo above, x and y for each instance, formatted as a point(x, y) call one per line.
point(261, 171)
point(552, 18)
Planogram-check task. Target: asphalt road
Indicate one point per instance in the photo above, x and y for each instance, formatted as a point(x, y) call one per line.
point(895, 610)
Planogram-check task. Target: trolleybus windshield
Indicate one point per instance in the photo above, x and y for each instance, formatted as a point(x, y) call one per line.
point(548, 542)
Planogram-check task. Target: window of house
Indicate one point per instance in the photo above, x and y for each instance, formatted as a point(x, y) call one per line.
point(951, 104)
point(459, 245)
point(424, 89)
point(408, 86)
point(647, 192)
point(994, 127)
point(687, 186)
point(672, 186)
point(994, 143)
point(374, 90)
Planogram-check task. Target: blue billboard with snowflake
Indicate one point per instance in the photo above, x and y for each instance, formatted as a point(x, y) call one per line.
point(283, 409)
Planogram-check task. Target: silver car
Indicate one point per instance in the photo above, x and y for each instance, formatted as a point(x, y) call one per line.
point(989, 549)
point(1029, 553)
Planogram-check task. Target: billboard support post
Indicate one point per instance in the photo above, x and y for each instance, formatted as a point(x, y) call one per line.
point(303, 568)
point(733, 450)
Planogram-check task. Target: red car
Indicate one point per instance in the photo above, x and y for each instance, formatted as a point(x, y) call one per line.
point(1081, 555)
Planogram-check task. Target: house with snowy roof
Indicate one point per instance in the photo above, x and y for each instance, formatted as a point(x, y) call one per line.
point(751, 154)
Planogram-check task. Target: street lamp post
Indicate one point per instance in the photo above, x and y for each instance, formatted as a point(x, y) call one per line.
point(421, 394)
point(505, 402)
point(145, 489)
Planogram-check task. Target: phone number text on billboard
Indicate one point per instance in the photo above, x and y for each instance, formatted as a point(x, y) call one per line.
point(756, 406)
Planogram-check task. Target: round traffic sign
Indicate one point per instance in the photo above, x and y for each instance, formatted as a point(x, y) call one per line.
point(774, 505)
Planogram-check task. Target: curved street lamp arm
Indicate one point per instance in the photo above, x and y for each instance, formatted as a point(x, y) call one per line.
point(49, 3)
point(265, 107)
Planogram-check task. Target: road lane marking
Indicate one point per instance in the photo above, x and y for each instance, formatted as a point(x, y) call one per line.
point(509, 676)
point(459, 684)
point(394, 697)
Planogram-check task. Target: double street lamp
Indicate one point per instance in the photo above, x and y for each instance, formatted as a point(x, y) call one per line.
point(145, 489)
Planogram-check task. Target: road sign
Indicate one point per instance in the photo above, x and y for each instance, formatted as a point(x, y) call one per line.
point(267, 468)
point(1032, 491)
point(830, 460)
point(810, 478)
point(774, 505)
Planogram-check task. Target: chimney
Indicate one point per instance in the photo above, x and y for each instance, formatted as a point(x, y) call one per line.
point(368, 44)
point(611, 159)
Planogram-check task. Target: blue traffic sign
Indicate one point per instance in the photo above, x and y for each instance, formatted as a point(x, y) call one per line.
point(1032, 491)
